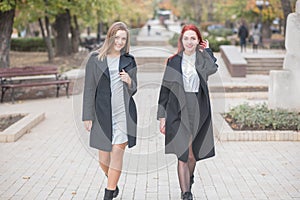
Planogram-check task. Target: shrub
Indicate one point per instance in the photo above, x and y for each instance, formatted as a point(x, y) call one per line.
point(28, 44)
point(215, 44)
point(259, 117)
point(224, 32)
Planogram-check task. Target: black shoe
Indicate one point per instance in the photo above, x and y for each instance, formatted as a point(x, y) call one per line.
point(191, 181)
point(187, 196)
point(116, 192)
point(108, 195)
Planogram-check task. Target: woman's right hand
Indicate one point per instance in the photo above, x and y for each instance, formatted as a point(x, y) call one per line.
point(162, 125)
point(88, 125)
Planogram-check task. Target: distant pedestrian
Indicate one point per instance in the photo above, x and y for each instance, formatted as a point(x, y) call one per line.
point(243, 34)
point(256, 38)
point(149, 29)
point(109, 111)
point(184, 108)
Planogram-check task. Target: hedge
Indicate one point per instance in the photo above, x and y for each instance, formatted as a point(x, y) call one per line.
point(28, 44)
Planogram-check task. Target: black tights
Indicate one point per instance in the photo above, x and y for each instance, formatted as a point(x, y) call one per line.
point(185, 171)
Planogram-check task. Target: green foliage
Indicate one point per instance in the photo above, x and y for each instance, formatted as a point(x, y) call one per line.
point(7, 5)
point(260, 117)
point(28, 44)
point(216, 42)
point(224, 32)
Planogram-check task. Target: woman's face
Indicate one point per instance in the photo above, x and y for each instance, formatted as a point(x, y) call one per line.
point(120, 40)
point(190, 41)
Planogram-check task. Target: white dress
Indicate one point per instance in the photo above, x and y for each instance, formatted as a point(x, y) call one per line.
point(119, 135)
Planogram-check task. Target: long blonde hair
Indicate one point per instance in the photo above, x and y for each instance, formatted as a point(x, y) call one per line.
point(110, 39)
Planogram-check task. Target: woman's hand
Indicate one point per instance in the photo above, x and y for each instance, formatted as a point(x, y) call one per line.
point(204, 44)
point(125, 77)
point(162, 125)
point(88, 125)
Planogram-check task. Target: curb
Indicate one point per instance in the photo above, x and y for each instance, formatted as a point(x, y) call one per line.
point(225, 133)
point(18, 129)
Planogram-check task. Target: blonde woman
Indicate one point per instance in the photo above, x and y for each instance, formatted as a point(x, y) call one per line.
point(109, 111)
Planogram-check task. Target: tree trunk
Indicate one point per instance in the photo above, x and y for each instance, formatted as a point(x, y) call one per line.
point(6, 24)
point(47, 38)
point(210, 13)
point(287, 9)
point(62, 28)
point(99, 32)
point(75, 32)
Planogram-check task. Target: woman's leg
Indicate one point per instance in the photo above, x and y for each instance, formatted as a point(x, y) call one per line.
point(191, 161)
point(104, 161)
point(115, 167)
point(191, 165)
point(183, 176)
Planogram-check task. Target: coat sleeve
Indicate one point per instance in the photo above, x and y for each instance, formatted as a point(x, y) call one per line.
point(132, 73)
point(163, 96)
point(211, 66)
point(90, 85)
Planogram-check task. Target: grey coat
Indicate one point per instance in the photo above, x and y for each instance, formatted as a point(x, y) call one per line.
point(97, 101)
point(172, 106)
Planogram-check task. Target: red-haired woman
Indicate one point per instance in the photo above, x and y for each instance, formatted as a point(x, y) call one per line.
point(184, 106)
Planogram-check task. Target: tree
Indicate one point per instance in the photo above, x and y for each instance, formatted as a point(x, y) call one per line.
point(7, 14)
point(287, 9)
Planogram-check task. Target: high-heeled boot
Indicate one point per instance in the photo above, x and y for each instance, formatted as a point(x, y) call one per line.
point(191, 181)
point(116, 192)
point(108, 195)
point(187, 196)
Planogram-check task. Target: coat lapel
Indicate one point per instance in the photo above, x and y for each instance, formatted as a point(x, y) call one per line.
point(102, 68)
point(124, 62)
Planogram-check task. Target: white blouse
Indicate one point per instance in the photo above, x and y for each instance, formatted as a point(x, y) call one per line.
point(191, 79)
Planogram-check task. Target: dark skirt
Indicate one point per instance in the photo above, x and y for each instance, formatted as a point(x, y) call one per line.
point(194, 117)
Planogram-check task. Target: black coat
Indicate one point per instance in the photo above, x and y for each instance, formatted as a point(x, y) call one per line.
point(172, 106)
point(97, 101)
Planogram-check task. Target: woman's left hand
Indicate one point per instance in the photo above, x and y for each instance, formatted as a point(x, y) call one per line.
point(125, 77)
point(204, 44)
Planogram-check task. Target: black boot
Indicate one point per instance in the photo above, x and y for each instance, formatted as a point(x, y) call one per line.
point(108, 195)
point(116, 192)
point(191, 181)
point(187, 196)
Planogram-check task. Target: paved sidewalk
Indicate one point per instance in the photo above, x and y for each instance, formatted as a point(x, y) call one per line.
point(54, 161)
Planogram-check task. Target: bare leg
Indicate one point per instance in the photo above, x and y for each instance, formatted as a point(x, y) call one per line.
point(115, 166)
point(104, 161)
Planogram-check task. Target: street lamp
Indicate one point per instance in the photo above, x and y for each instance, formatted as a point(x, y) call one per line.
point(261, 4)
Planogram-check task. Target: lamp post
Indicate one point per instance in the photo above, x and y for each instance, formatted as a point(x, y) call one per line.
point(261, 4)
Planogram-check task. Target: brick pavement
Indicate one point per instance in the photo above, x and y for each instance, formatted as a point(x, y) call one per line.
point(54, 161)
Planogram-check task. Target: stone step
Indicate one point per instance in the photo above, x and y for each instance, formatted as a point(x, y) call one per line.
point(151, 43)
point(263, 65)
point(151, 59)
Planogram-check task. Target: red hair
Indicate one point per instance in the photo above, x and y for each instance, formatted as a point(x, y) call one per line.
point(188, 27)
